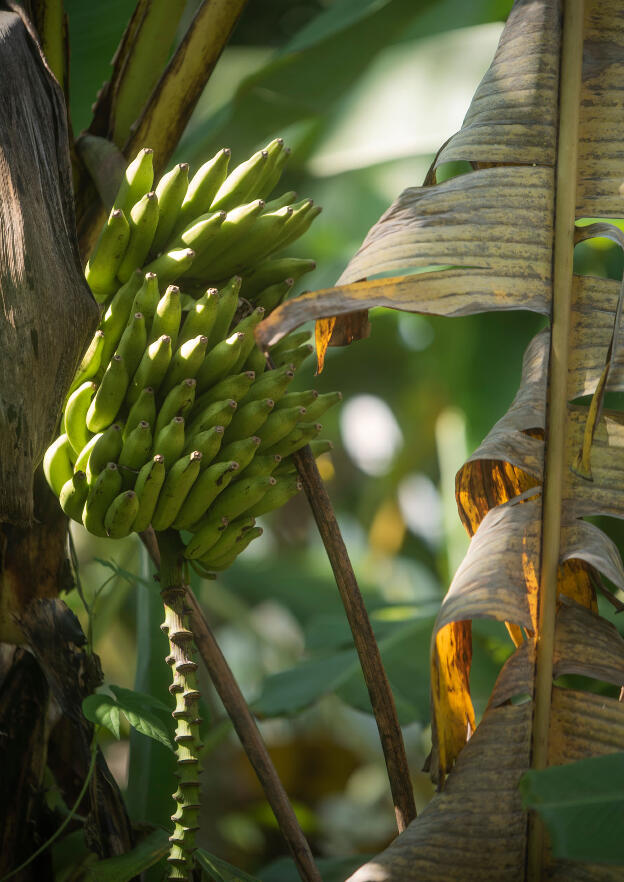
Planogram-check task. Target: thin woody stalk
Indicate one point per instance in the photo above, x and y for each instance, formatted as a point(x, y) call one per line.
point(184, 688)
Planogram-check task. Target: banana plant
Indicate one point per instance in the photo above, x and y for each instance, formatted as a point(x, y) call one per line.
point(543, 137)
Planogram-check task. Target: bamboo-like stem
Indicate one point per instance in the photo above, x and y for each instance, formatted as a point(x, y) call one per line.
point(382, 700)
point(184, 688)
point(170, 105)
point(174, 97)
point(556, 424)
point(246, 728)
point(142, 65)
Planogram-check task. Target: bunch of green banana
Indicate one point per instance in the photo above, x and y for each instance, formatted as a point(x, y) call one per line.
point(173, 418)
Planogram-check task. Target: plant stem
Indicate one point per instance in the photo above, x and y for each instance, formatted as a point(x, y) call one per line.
point(246, 729)
point(184, 688)
point(557, 413)
point(173, 99)
point(382, 700)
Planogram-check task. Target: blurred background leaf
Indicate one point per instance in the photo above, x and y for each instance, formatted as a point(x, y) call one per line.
point(583, 807)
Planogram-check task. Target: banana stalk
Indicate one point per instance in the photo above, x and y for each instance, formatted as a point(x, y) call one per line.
point(184, 688)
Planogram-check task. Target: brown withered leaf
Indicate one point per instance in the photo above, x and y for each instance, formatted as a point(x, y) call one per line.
point(545, 138)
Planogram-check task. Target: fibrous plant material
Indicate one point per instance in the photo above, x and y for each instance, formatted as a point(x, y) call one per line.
point(47, 315)
point(544, 136)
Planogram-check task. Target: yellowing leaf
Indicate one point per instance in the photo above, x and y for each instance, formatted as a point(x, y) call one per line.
point(544, 135)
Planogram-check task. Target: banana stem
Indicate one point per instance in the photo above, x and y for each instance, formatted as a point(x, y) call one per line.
point(246, 728)
point(184, 688)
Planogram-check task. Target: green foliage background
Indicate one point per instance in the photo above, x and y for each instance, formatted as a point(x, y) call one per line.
point(364, 91)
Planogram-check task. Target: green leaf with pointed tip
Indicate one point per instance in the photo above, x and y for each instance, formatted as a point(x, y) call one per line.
point(144, 713)
point(219, 870)
point(126, 866)
point(582, 804)
point(102, 710)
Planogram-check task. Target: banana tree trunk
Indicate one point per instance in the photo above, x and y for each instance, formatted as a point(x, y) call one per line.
point(46, 317)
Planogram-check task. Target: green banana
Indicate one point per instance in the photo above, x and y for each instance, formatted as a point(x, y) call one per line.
point(302, 434)
point(179, 480)
point(57, 466)
point(257, 243)
point(208, 444)
point(256, 361)
point(167, 316)
point(109, 397)
point(233, 229)
point(147, 298)
point(106, 449)
point(73, 495)
point(228, 538)
point(240, 183)
point(207, 536)
point(187, 300)
point(246, 327)
point(186, 362)
point(90, 363)
point(152, 368)
point(137, 180)
point(144, 408)
point(278, 425)
point(110, 248)
point(241, 452)
point(271, 297)
point(136, 447)
point(201, 317)
point(143, 222)
point(274, 162)
point(248, 419)
point(116, 316)
point(297, 224)
point(271, 271)
point(294, 357)
point(220, 361)
point(170, 441)
point(147, 488)
point(83, 457)
point(170, 265)
point(202, 233)
point(262, 465)
point(76, 410)
point(219, 413)
point(226, 560)
point(121, 514)
point(106, 487)
point(202, 188)
point(177, 403)
point(235, 387)
point(273, 171)
point(133, 342)
point(290, 341)
point(240, 496)
point(280, 201)
point(210, 483)
point(318, 448)
point(272, 384)
point(322, 404)
point(299, 399)
point(227, 304)
point(171, 191)
point(279, 495)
